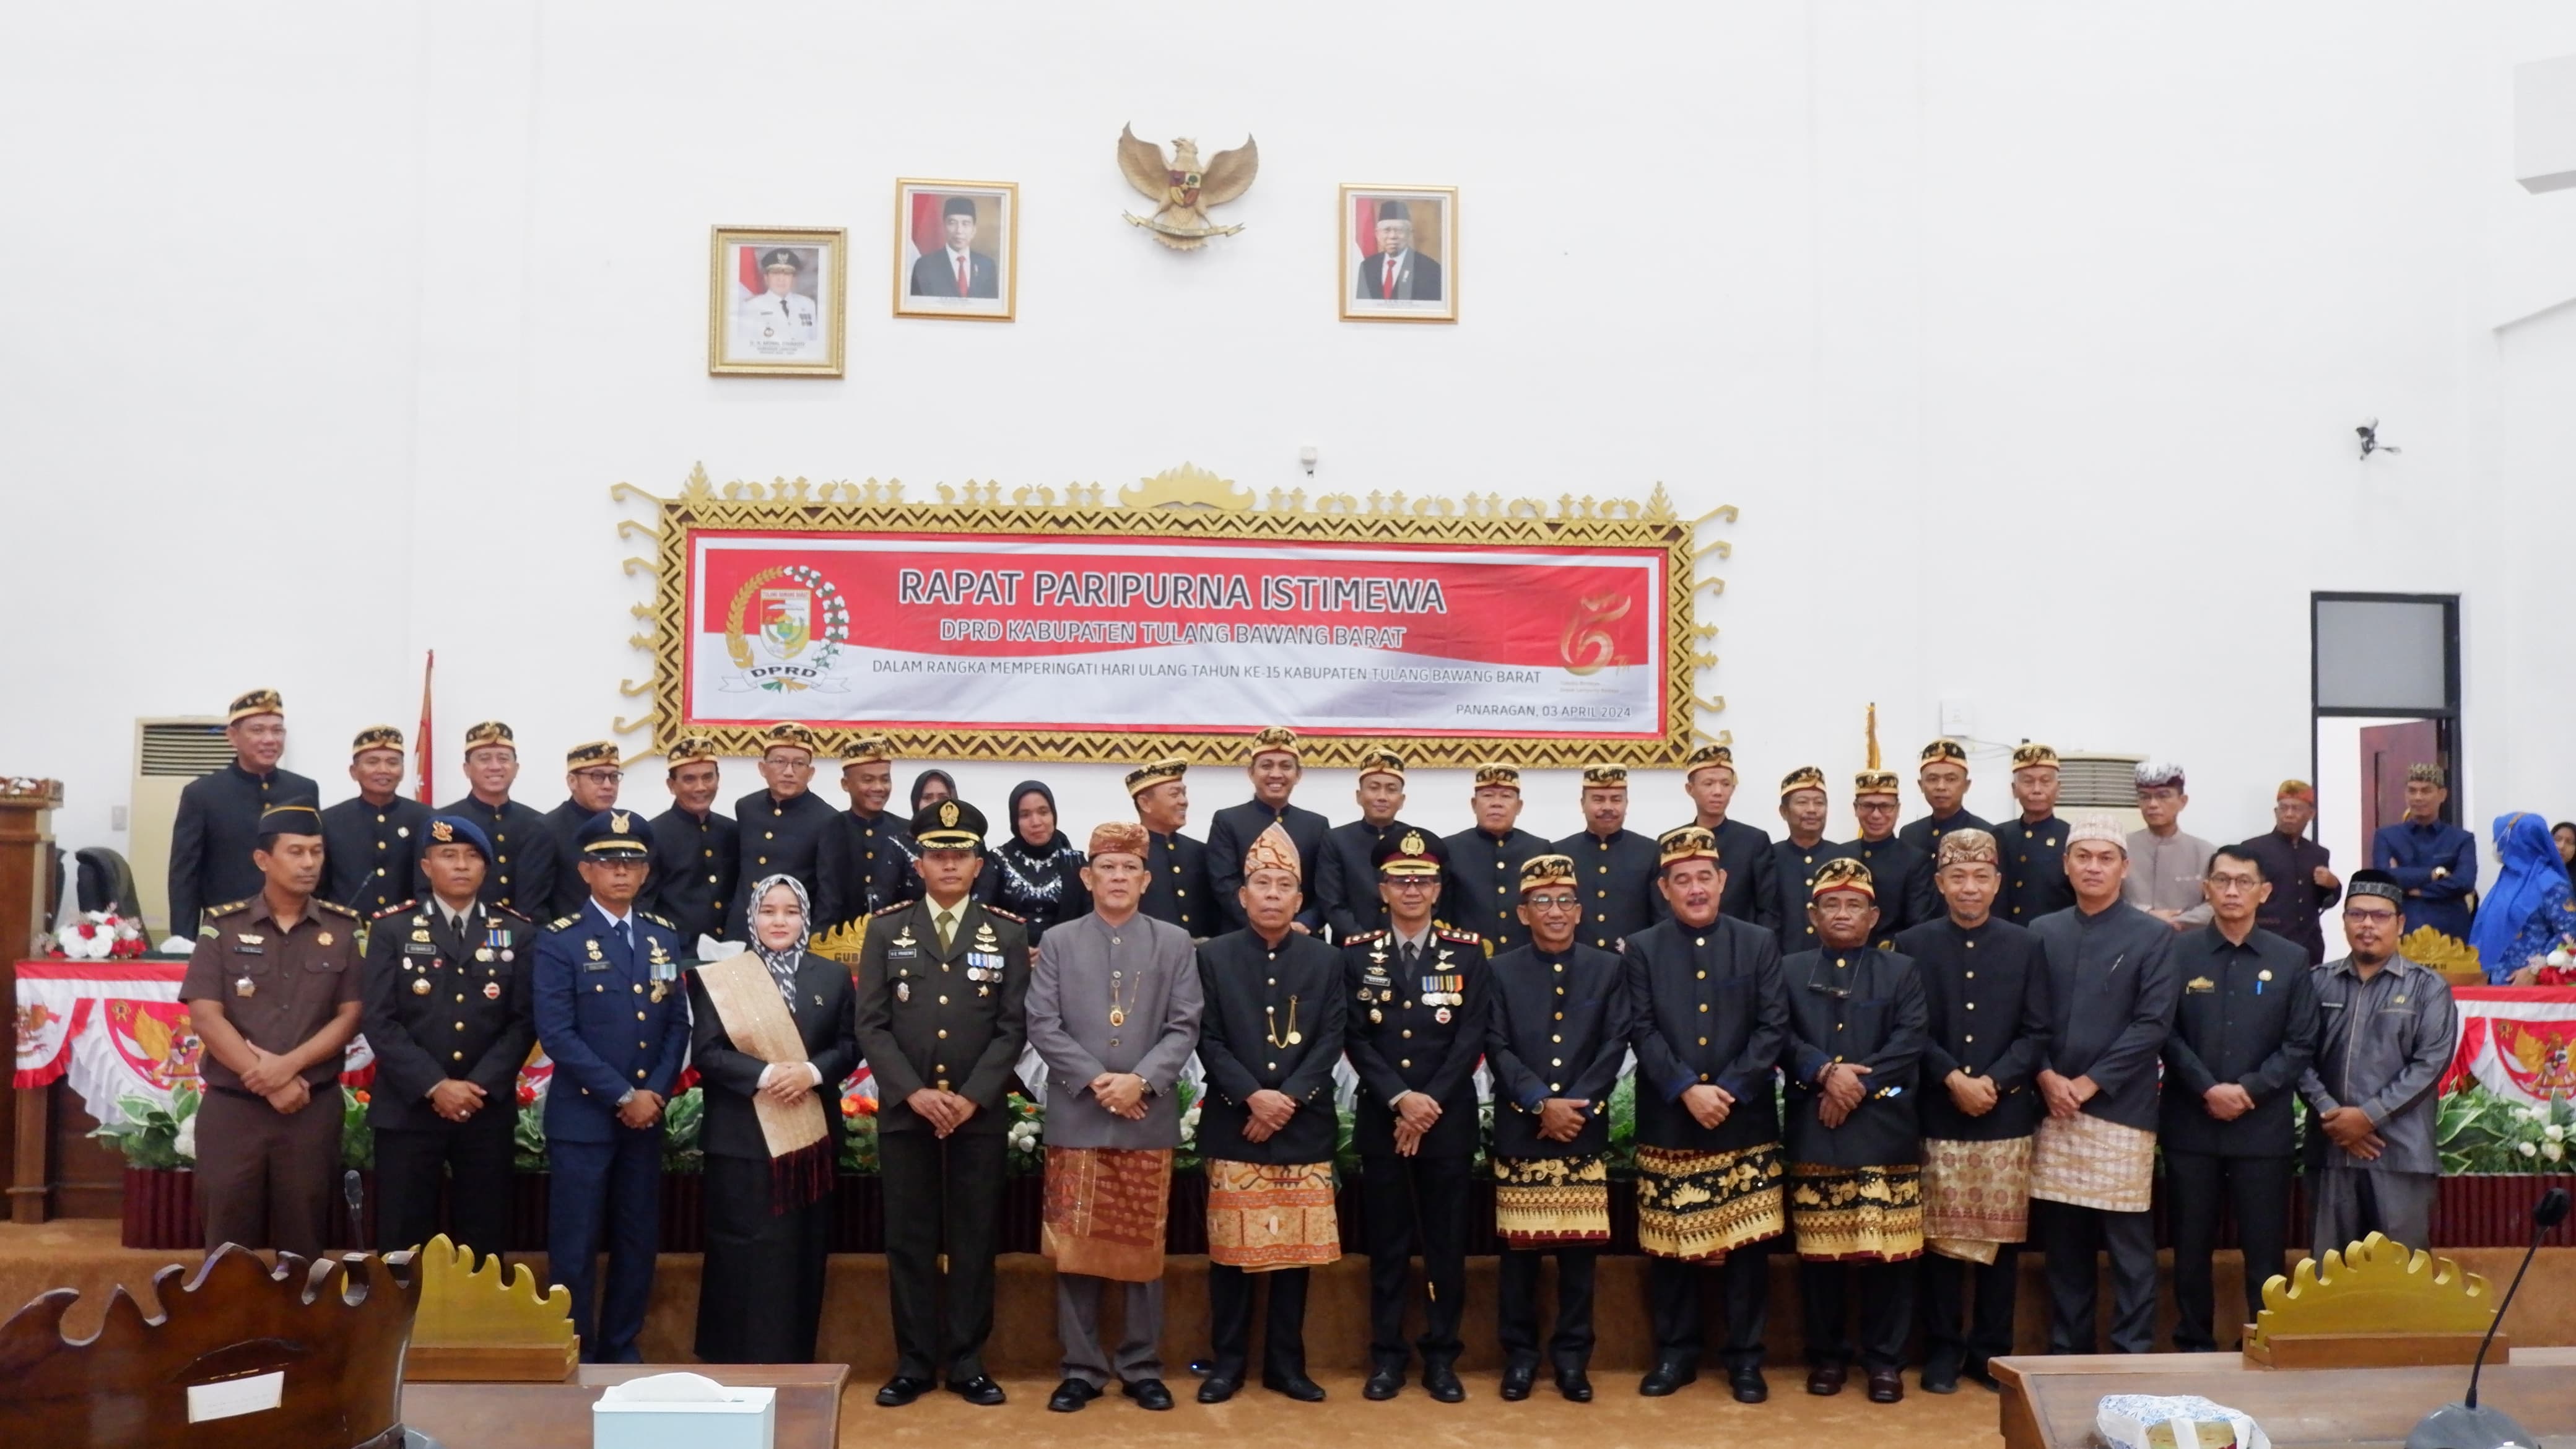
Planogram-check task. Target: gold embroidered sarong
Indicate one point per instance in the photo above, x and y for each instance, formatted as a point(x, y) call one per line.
point(1976, 1196)
point(1542, 1202)
point(1263, 1215)
point(1856, 1214)
point(1105, 1210)
point(2088, 1162)
point(1697, 1205)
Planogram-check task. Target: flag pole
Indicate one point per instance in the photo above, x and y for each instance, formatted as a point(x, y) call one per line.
point(420, 742)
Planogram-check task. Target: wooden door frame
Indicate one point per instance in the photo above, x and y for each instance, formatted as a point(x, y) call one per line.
point(2446, 720)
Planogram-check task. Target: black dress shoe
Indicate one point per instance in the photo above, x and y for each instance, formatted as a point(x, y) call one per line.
point(1826, 1379)
point(1148, 1394)
point(1382, 1385)
point(1296, 1386)
point(977, 1390)
point(1938, 1379)
point(899, 1391)
point(1749, 1385)
point(1572, 1383)
point(1217, 1388)
point(1070, 1396)
point(1886, 1386)
point(1441, 1381)
point(1664, 1378)
point(1201, 1367)
point(1517, 1378)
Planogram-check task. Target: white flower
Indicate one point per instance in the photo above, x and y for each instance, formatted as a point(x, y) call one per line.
point(2526, 1114)
point(2552, 1151)
point(186, 1142)
point(2554, 1132)
point(2560, 957)
point(2528, 1149)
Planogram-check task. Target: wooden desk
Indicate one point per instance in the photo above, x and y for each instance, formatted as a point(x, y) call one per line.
point(552, 1416)
point(2049, 1403)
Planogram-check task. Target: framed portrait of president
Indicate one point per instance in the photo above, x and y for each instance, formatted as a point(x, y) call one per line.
point(1399, 253)
point(774, 301)
point(957, 249)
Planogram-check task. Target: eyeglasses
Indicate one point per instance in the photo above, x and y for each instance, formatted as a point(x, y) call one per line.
point(793, 767)
point(1552, 903)
point(600, 777)
point(2377, 918)
point(1413, 882)
point(2225, 883)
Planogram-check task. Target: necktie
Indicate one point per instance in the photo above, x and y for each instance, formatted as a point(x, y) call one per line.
point(626, 936)
point(1412, 954)
point(1386, 288)
point(961, 276)
point(947, 928)
point(456, 923)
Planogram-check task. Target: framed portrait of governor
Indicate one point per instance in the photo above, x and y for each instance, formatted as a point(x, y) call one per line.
point(1399, 253)
point(957, 249)
point(774, 301)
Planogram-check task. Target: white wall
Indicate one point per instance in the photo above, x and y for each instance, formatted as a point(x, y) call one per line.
point(2028, 338)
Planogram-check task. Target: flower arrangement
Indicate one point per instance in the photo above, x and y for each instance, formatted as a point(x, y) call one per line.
point(528, 1135)
point(859, 1124)
point(100, 936)
point(2481, 1133)
point(154, 1135)
point(1187, 1158)
point(1024, 1141)
point(357, 1138)
point(681, 1118)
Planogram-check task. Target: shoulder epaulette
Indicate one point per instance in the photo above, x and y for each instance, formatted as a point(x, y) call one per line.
point(560, 922)
point(1363, 938)
point(513, 912)
point(890, 910)
point(394, 910)
point(1006, 915)
point(228, 907)
point(657, 920)
point(337, 909)
point(1463, 938)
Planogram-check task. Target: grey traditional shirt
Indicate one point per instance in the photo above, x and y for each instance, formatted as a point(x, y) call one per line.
point(2164, 874)
point(2386, 1043)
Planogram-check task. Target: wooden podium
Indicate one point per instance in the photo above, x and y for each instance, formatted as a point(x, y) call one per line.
point(26, 829)
point(2049, 1403)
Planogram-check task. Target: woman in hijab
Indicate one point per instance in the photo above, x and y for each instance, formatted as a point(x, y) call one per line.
point(774, 1038)
point(2564, 832)
point(932, 785)
point(2529, 913)
point(1037, 873)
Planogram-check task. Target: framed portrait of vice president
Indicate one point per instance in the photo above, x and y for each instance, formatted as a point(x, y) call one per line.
point(774, 301)
point(1399, 247)
point(957, 249)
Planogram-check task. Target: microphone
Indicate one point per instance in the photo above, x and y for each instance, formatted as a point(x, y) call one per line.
point(2464, 1425)
point(358, 1224)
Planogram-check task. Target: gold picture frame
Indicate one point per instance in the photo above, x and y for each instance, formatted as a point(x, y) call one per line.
point(756, 329)
point(1419, 282)
point(927, 211)
point(1182, 503)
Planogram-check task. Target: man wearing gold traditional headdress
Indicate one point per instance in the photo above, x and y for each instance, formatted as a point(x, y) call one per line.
point(1708, 776)
point(1617, 864)
point(1275, 768)
point(2033, 846)
point(1346, 878)
point(1485, 861)
point(1708, 1020)
point(1796, 856)
point(1177, 888)
point(1269, 1039)
point(1855, 1151)
point(1943, 778)
point(1901, 874)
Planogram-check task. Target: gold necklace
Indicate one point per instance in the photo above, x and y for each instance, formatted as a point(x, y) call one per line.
point(1118, 997)
point(1270, 1016)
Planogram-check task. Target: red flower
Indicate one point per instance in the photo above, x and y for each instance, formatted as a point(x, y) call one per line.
point(859, 1106)
point(362, 1096)
point(527, 1095)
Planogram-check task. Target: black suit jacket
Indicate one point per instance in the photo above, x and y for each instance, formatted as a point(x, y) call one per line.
point(1861, 1006)
point(934, 275)
point(691, 883)
point(1706, 1004)
point(1987, 1013)
point(1177, 889)
point(1231, 834)
point(1744, 852)
point(1398, 1042)
point(1425, 273)
point(1258, 996)
point(802, 837)
point(212, 837)
point(2248, 1015)
point(525, 862)
point(824, 1010)
point(476, 1021)
point(1559, 1028)
point(369, 852)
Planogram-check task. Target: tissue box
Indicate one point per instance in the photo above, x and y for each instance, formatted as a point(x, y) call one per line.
point(747, 1418)
point(2183, 1421)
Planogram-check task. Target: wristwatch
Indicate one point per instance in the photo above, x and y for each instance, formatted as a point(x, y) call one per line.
point(626, 1096)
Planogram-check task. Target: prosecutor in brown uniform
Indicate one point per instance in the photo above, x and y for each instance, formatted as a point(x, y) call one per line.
point(942, 1016)
point(273, 989)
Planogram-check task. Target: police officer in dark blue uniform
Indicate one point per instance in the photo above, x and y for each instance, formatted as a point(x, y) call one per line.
point(611, 1014)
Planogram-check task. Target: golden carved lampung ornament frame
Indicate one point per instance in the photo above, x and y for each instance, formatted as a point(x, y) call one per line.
point(1187, 501)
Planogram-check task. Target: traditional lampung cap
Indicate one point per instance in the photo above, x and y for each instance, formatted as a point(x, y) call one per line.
point(376, 737)
point(1967, 847)
point(1276, 740)
point(874, 750)
point(489, 732)
point(1842, 873)
point(294, 817)
point(1146, 777)
point(778, 257)
point(614, 835)
point(2296, 789)
point(1495, 775)
point(1689, 842)
point(2429, 774)
point(1945, 752)
point(1118, 837)
point(1605, 777)
point(2377, 883)
point(1382, 762)
point(689, 749)
point(257, 701)
point(948, 825)
point(1805, 777)
point(957, 206)
point(790, 734)
point(2158, 775)
point(2027, 756)
point(1541, 871)
point(456, 830)
point(597, 752)
point(1706, 757)
point(2096, 827)
point(1412, 853)
point(1272, 850)
point(1876, 782)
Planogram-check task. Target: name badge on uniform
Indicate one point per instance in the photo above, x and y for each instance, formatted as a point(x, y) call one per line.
point(2199, 984)
point(901, 952)
point(594, 964)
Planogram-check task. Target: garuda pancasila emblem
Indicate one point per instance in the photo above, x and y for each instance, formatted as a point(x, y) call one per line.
point(1184, 189)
